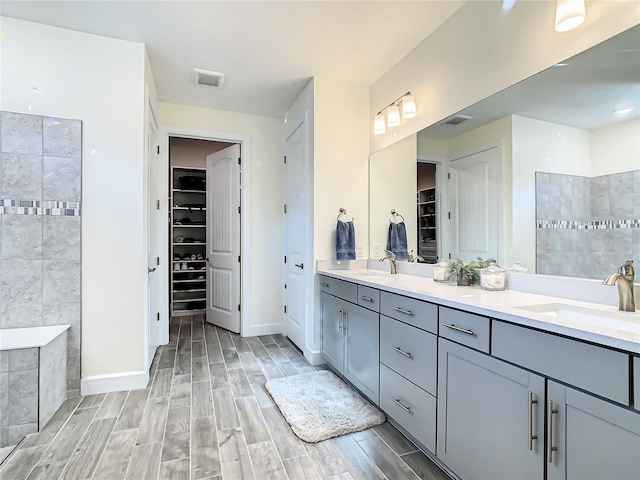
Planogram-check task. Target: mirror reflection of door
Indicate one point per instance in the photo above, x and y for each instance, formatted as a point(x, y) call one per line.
point(474, 208)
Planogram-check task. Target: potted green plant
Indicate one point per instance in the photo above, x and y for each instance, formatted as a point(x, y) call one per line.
point(464, 273)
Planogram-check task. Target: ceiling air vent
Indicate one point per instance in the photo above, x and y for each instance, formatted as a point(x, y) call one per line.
point(456, 119)
point(209, 79)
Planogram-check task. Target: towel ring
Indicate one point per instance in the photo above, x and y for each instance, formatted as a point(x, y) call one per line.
point(394, 213)
point(342, 212)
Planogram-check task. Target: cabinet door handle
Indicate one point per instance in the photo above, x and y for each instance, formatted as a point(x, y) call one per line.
point(340, 320)
point(550, 448)
point(366, 299)
point(402, 310)
point(399, 350)
point(458, 329)
point(325, 285)
point(300, 265)
point(401, 405)
point(531, 435)
point(344, 321)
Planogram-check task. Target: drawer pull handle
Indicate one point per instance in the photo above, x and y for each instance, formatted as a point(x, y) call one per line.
point(401, 405)
point(550, 448)
point(459, 329)
point(325, 285)
point(402, 310)
point(531, 436)
point(366, 299)
point(399, 350)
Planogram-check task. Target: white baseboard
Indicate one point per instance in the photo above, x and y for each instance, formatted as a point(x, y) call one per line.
point(315, 358)
point(267, 329)
point(116, 382)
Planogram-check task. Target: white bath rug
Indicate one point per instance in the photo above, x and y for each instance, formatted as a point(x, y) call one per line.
point(319, 406)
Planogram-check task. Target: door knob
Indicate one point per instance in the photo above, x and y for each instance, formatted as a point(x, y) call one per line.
point(150, 270)
point(300, 265)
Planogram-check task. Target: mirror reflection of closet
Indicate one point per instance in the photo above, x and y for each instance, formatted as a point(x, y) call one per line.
point(427, 212)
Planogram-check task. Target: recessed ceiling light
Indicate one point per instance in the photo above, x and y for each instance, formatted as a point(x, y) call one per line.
point(622, 110)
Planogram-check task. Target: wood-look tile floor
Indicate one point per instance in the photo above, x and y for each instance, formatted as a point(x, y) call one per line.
point(205, 415)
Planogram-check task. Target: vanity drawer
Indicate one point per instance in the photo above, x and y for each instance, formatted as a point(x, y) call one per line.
point(465, 328)
point(636, 382)
point(345, 290)
point(369, 298)
point(413, 408)
point(420, 314)
point(411, 352)
point(595, 369)
point(325, 283)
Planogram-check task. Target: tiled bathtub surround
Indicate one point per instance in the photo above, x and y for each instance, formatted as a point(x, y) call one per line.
point(40, 195)
point(586, 227)
point(31, 388)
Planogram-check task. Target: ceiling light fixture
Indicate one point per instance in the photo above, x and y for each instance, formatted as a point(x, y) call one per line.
point(569, 14)
point(405, 104)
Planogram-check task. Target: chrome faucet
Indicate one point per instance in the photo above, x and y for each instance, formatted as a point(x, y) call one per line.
point(624, 279)
point(392, 261)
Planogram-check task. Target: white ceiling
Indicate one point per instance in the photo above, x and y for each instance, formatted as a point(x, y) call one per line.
point(268, 50)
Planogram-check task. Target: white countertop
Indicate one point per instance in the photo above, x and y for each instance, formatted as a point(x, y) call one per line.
point(600, 324)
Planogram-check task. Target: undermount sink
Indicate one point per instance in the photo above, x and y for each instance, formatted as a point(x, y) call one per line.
point(629, 322)
point(371, 274)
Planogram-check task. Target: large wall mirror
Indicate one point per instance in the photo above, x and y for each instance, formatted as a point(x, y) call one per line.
point(545, 173)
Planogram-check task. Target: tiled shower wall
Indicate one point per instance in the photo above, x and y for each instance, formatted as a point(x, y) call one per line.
point(587, 226)
point(40, 191)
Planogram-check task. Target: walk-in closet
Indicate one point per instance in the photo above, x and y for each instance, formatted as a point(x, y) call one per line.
point(189, 230)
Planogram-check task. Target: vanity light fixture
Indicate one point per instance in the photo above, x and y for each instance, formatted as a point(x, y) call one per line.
point(569, 14)
point(393, 116)
point(405, 104)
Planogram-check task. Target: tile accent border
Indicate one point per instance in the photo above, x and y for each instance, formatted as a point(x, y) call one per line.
point(11, 206)
point(586, 225)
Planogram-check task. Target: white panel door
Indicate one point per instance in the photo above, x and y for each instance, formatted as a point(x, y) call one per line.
point(153, 214)
point(296, 226)
point(223, 238)
point(474, 206)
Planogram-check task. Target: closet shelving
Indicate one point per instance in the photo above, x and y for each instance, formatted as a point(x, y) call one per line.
point(188, 241)
point(427, 243)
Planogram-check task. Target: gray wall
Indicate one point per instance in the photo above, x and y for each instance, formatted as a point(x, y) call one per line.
point(40, 192)
point(587, 226)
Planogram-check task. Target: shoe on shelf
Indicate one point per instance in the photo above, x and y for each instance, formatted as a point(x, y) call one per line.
point(177, 257)
point(193, 256)
point(179, 240)
point(187, 256)
point(176, 267)
point(199, 257)
point(190, 267)
point(201, 277)
point(184, 266)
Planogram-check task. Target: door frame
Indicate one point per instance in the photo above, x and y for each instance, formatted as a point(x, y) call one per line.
point(164, 133)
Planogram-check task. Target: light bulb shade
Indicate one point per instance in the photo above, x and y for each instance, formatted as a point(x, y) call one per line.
point(569, 14)
point(408, 106)
point(393, 116)
point(379, 126)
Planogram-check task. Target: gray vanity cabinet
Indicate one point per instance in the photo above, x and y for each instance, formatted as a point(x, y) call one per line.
point(351, 337)
point(332, 338)
point(589, 438)
point(490, 416)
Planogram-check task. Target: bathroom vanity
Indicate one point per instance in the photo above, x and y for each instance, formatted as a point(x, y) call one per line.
point(491, 384)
